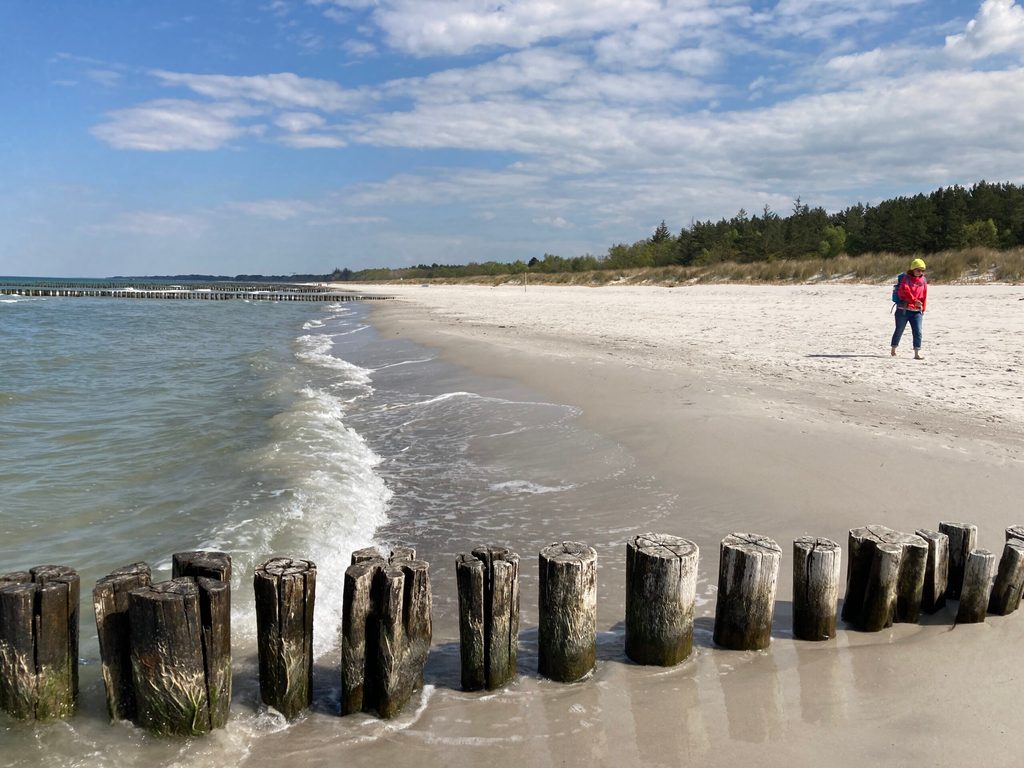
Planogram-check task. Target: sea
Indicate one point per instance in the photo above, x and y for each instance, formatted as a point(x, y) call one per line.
point(134, 429)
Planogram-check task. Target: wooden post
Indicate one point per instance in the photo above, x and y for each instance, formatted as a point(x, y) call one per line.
point(748, 572)
point(661, 586)
point(366, 554)
point(405, 632)
point(358, 624)
point(402, 553)
point(1009, 583)
point(567, 632)
point(881, 594)
point(386, 632)
point(39, 642)
point(285, 596)
point(1015, 532)
point(488, 586)
point(933, 596)
point(110, 601)
point(212, 574)
point(58, 598)
point(212, 565)
point(17, 647)
point(864, 568)
point(168, 670)
point(977, 587)
point(816, 570)
point(962, 540)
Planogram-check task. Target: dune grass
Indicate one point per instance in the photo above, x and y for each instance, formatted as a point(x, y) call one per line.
point(971, 265)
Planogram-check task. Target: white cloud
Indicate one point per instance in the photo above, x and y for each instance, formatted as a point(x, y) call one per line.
point(552, 221)
point(696, 61)
point(359, 49)
point(154, 224)
point(285, 90)
point(299, 122)
point(427, 27)
point(174, 124)
point(105, 77)
point(998, 28)
point(823, 19)
point(464, 186)
point(312, 141)
point(278, 210)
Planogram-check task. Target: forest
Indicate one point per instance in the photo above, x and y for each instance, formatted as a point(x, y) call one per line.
point(984, 215)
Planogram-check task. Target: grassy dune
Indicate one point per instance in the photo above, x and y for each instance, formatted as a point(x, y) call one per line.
point(972, 265)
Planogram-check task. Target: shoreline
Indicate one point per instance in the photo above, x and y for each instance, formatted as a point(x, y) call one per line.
point(772, 455)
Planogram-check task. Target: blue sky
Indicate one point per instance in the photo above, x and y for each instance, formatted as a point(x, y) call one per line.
point(290, 136)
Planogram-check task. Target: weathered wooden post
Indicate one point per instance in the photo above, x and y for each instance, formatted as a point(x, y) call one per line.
point(168, 669)
point(17, 645)
point(748, 573)
point(936, 575)
point(285, 595)
point(211, 565)
point(488, 585)
point(963, 539)
point(868, 590)
point(816, 571)
point(661, 586)
point(1009, 582)
point(567, 631)
point(977, 587)
point(1015, 532)
point(405, 632)
point(386, 631)
point(358, 631)
point(212, 573)
point(39, 642)
point(110, 601)
point(881, 593)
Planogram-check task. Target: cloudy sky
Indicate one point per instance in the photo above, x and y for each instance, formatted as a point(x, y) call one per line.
point(282, 136)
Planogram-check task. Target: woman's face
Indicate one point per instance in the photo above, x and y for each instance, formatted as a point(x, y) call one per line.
point(917, 272)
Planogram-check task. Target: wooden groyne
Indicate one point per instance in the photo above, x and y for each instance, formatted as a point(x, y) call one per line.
point(189, 293)
point(165, 648)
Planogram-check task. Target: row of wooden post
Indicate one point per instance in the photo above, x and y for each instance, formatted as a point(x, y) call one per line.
point(165, 648)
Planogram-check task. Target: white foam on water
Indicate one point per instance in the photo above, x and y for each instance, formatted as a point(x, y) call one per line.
point(316, 349)
point(334, 504)
point(525, 486)
point(404, 362)
point(357, 329)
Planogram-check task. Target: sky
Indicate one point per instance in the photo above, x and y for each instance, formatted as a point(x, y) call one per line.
point(297, 136)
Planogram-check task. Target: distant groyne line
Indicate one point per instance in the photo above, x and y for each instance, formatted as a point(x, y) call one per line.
point(189, 292)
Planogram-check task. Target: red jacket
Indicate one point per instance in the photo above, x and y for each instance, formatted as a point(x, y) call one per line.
point(912, 290)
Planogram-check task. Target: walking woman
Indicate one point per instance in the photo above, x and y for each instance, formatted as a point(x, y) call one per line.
point(912, 295)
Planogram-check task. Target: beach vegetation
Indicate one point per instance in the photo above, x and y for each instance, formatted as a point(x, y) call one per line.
point(967, 234)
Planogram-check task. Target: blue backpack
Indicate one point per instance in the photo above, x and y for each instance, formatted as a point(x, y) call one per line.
point(896, 286)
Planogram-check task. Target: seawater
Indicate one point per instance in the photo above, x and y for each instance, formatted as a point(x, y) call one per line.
point(130, 430)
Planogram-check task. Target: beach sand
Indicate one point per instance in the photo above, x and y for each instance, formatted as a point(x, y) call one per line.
point(774, 410)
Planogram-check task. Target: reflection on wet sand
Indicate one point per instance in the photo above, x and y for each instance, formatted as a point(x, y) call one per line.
point(753, 698)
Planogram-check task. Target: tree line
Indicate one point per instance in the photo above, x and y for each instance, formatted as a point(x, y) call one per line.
point(956, 217)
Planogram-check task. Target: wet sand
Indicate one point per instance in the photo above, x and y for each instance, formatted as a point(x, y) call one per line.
point(769, 418)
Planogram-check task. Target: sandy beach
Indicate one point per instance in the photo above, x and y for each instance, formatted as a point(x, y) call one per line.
point(774, 410)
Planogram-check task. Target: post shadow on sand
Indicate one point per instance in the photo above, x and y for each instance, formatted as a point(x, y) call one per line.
point(443, 664)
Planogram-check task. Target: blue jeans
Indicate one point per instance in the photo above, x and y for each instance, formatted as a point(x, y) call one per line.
point(916, 320)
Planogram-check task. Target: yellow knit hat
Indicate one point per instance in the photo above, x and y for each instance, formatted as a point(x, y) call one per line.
point(917, 264)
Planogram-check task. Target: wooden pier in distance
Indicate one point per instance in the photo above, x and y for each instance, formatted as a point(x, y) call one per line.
point(207, 292)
